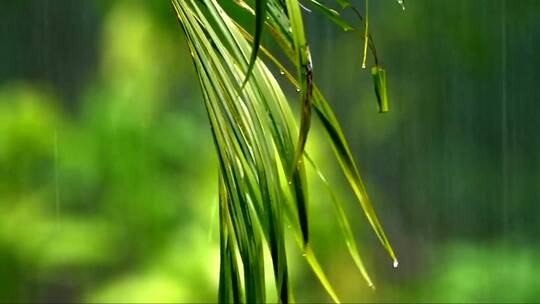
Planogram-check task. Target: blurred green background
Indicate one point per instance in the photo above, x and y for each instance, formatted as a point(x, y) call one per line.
point(108, 182)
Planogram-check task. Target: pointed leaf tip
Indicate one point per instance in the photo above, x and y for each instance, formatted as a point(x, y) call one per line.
point(260, 17)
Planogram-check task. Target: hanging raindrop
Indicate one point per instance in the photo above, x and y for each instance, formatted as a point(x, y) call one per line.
point(402, 3)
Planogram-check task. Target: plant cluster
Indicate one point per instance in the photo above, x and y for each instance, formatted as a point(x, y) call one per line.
point(261, 150)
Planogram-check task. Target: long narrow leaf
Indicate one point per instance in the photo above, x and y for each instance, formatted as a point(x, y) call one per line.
point(260, 17)
point(262, 178)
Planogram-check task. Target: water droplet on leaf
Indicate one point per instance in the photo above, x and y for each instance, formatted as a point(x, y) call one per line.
point(402, 3)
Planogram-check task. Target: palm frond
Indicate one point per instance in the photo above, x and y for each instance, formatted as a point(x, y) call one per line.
point(262, 174)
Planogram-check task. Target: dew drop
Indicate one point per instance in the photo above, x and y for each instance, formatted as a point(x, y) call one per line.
point(363, 66)
point(402, 3)
point(396, 264)
point(298, 90)
point(304, 254)
point(282, 73)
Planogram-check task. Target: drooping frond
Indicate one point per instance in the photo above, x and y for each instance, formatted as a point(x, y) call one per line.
point(262, 174)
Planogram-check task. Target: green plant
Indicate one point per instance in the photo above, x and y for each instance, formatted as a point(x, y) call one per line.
point(262, 174)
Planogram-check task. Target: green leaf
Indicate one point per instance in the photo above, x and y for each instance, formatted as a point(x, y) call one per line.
point(343, 221)
point(333, 15)
point(304, 69)
point(316, 267)
point(230, 289)
point(262, 178)
point(340, 147)
point(260, 17)
point(379, 81)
